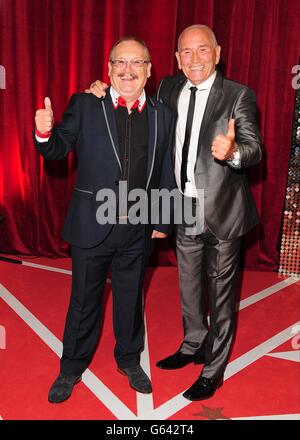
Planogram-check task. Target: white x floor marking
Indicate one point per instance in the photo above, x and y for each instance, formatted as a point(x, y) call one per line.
point(145, 406)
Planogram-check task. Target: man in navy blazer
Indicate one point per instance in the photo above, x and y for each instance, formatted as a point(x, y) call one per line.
point(122, 138)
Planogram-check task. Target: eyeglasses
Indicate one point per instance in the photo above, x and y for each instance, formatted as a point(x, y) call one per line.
point(121, 64)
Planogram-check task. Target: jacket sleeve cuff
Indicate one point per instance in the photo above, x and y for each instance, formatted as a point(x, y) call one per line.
point(235, 160)
point(40, 137)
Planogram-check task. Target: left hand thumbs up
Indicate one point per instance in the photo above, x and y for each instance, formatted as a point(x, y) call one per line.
point(223, 145)
point(231, 130)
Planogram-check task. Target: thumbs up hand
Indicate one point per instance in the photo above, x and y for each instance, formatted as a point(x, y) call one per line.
point(44, 118)
point(223, 146)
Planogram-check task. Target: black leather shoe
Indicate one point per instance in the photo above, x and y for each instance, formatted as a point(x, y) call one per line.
point(203, 388)
point(138, 379)
point(179, 360)
point(62, 388)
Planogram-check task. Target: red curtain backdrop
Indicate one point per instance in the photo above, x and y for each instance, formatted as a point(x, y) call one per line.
point(57, 47)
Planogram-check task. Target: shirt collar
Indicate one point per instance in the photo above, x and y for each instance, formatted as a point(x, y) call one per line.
point(117, 100)
point(205, 85)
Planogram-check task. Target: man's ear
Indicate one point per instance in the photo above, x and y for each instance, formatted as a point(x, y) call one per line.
point(149, 70)
point(218, 54)
point(178, 59)
point(109, 68)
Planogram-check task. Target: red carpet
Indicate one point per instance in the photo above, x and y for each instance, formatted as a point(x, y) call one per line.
point(262, 378)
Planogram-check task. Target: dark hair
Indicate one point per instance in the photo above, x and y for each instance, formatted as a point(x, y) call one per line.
point(131, 38)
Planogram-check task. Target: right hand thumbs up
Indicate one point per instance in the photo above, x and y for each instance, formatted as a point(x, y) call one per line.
point(44, 118)
point(47, 102)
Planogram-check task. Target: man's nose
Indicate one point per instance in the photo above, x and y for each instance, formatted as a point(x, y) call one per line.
point(128, 67)
point(195, 57)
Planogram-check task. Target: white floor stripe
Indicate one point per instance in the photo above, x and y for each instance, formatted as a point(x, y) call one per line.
point(50, 268)
point(107, 397)
point(265, 293)
point(53, 269)
point(275, 417)
point(178, 402)
point(101, 391)
point(257, 352)
point(241, 305)
point(35, 324)
point(287, 355)
point(145, 401)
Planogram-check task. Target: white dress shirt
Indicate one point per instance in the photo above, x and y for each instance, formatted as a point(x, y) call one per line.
point(115, 97)
point(200, 104)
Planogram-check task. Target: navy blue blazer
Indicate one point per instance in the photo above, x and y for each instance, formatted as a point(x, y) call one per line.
point(89, 126)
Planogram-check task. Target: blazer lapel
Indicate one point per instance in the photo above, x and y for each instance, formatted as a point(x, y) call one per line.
point(152, 132)
point(152, 137)
point(110, 120)
point(213, 98)
point(174, 95)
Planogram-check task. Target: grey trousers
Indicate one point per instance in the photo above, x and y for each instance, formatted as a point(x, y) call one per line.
point(218, 260)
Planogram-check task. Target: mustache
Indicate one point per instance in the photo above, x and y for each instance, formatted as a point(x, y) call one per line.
point(132, 75)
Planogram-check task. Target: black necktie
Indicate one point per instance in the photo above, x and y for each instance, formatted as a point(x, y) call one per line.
point(187, 138)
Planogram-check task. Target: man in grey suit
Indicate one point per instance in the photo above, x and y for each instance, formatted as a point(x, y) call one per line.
point(216, 139)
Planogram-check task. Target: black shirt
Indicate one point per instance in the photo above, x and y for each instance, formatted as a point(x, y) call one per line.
point(133, 145)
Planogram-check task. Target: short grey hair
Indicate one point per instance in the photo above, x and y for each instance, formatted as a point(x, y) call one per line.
point(201, 27)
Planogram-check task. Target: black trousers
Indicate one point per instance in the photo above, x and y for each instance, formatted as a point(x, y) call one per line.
point(124, 250)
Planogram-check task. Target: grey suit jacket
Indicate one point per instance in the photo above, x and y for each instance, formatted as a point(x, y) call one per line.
point(229, 209)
